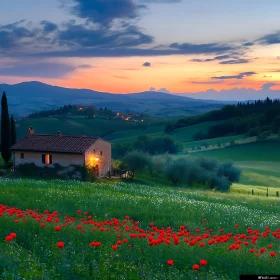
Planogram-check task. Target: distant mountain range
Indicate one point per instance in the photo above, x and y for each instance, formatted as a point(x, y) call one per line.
point(29, 97)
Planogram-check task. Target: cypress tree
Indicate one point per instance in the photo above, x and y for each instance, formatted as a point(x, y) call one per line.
point(5, 129)
point(13, 131)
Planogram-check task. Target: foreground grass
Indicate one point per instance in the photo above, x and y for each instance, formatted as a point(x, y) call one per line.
point(34, 255)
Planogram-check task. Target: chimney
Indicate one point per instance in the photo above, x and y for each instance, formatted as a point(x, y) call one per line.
point(31, 130)
point(59, 133)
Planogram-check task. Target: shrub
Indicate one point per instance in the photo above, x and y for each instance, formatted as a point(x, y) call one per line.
point(178, 171)
point(229, 171)
point(137, 161)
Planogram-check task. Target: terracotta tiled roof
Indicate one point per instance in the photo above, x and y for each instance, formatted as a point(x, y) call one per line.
point(54, 143)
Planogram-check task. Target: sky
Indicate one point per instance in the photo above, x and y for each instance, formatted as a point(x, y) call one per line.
point(123, 46)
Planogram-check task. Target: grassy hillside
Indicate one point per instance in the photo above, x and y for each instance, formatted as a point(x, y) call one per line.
point(177, 217)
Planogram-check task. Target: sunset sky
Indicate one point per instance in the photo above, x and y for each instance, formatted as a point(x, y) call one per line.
point(123, 46)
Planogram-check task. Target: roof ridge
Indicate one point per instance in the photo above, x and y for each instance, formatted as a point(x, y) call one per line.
point(90, 136)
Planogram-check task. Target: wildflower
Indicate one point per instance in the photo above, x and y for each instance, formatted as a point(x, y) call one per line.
point(9, 238)
point(115, 247)
point(203, 262)
point(195, 267)
point(272, 254)
point(204, 220)
point(170, 262)
point(57, 228)
point(60, 244)
point(201, 244)
point(13, 235)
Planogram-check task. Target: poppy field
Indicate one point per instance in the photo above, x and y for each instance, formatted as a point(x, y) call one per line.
point(74, 230)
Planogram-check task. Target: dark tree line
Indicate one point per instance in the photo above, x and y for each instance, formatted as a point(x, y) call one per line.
point(74, 110)
point(8, 130)
point(251, 118)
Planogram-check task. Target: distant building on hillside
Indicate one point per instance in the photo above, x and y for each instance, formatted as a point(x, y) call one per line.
point(46, 150)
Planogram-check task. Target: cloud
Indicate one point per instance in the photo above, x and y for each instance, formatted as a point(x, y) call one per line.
point(222, 57)
point(78, 35)
point(207, 82)
point(49, 26)
point(146, 64)
point(219, 57)
point(235, 61)
point(270, 39)
point(85, 66)
point(248, 44)
point(161, 1)
point(12, 35)
point(44, 70)
point(202, 48)
point(105, 11)
point(240, 76)
point(268, 86)
point(165, 90)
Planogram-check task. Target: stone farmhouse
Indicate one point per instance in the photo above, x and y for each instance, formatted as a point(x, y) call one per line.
point(46, 150)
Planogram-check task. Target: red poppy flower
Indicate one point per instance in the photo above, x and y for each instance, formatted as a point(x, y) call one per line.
point(79, 211)
point(252, 250)
point(236, 225)
point(16, 221)
point(115, 247)
point(269, 246)
point(13, 234)
point(262, 250)
point(204, 220)
point(201, 244)
point(272, 254)
point(60, 244)
point(195, 267)
point(42, 224)
point(203, 262)
point(8, 238)
point(57, 228)
point(170, 262)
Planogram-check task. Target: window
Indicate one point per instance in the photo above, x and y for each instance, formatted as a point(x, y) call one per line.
point(47, 158)
point(21, 155)
point(101, 153)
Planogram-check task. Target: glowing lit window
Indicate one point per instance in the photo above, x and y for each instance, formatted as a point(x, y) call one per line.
point(47, 158)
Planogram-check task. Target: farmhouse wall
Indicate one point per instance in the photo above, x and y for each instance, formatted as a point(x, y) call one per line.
point(60, 158)
point(101, 150)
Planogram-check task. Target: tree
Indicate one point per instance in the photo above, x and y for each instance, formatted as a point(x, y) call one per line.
point(5, 129)
point(13, 131)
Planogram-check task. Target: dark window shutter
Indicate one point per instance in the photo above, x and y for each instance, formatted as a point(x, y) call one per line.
point(50, 159)
point(43, 158)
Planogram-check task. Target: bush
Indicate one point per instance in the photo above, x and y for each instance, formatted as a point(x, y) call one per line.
point(56, 172)
point(178, 171)
point(229, 171)
point(204, 171)
point(137, 161)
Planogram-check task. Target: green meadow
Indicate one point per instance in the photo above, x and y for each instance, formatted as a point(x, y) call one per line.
point(34, 253)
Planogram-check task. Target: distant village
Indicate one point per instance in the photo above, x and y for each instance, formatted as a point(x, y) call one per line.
point(88, 112)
